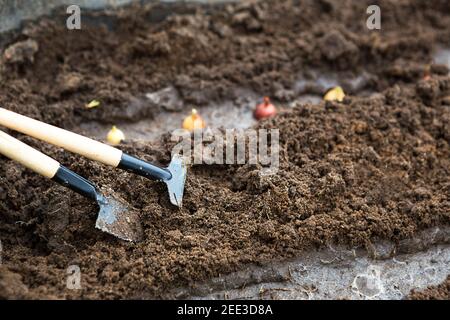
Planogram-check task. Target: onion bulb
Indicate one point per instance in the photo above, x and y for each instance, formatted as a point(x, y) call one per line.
point(265, 109)
point(194, 121)
point(115, 136)
point(335, 94)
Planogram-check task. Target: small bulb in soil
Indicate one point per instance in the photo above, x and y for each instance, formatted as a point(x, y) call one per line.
point(194, 121)
point(427, 73)
point(265, 110)
point(115, 136)
point(93, 104)
point(427, 77)
point(335, 94)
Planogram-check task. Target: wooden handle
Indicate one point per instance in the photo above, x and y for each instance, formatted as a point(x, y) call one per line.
point(76, 143)
point(27, 156)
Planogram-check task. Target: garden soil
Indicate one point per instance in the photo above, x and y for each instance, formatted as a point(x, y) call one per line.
point(375, 166)
point(439, 292)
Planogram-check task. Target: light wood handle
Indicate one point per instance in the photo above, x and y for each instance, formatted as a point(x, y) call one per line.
point(70, 141)
point(27, 156)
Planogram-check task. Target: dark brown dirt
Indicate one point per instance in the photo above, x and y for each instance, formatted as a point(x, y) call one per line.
point(439, 292)
point(352, 172)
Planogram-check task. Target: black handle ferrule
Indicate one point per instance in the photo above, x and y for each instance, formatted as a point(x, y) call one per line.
point(77, 183)
point(143, 168)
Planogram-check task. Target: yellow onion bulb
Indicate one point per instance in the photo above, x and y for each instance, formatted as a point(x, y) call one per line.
point(115, 136)
point(194, 121)
point(335, 94)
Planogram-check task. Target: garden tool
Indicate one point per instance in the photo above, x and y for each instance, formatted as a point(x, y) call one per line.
point(114, 217)
point(174, 175)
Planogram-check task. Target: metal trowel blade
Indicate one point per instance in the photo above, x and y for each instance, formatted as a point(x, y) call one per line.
point(117, 218)
point(175, 186)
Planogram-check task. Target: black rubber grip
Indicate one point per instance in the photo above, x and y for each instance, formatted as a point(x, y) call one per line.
point(143, 168)
point(77, 183)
